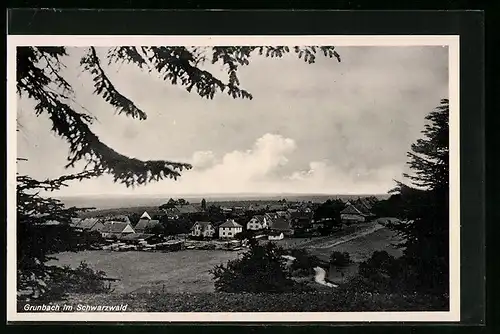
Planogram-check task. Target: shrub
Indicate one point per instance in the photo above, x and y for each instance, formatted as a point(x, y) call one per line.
point(261, 269)
point(304, 263)
point(65, 280)
point(340, 259)
point(384, 273)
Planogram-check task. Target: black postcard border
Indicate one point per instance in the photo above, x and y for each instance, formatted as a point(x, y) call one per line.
point(469, 25)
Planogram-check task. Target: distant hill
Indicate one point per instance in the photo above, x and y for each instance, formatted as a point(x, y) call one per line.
point(141, 202)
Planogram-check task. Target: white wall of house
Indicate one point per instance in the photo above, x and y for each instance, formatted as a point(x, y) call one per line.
point(229, 232)
point(128, 229)
point(352, 218)
point(276, 237)
point(198, 231)
point(255, 225)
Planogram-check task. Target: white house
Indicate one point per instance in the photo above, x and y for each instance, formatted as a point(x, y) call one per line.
point(115, 228)
point(203, 229)
point(229, 229)
point(275, 235)
point(145, 215)
point(259, 222)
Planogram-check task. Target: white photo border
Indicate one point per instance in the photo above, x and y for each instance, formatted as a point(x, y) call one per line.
point(452, 41)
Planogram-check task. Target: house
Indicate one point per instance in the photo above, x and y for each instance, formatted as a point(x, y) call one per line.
point(239, 210)
point(203, 229)
point(74, 222)
point(226, 210)
point(351, 214)
point(180, 211)
point(275, 235)
point(115, 228)
point(275, 207)
point(146, 225)
point(258, 222)
point(257, 207)
point(89, 224)
point(364, 205)
point(301, 219)
point(145, 215)
point(229, 229)
point(281, 225)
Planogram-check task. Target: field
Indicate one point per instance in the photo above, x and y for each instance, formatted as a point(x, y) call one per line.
point(188, 271)
point(185, 271)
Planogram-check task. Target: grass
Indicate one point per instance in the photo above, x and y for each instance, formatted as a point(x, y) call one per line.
point(184, 271)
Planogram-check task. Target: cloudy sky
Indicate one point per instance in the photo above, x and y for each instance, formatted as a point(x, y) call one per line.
point(328, 127)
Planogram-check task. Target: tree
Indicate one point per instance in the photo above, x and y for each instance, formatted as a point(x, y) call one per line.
point(261, 269)
point(39, 77)
point(203, 204)
point(43, 229)
point(425, 204)
point(330, 211)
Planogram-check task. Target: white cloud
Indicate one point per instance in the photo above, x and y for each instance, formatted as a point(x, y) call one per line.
point(254, 171)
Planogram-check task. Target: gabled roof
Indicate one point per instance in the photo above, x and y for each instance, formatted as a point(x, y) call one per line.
point(280, 224)
point(203, 225)
point(259, 218)
point(75, 222)
point(351, 210)
point(145, 215)
point(184, 209)
point(87, 223)
point(146, 223)
point(230, 223)
point(114, 227)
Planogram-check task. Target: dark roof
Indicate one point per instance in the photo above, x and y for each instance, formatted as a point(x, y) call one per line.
point(137, 236)
point(75, 222)
point(202, 224)
point(274, 233)
point(87, 223)
point(259, 218)
point(301, 215)
point(146, 223)
point(230, 223)
point(113, 227)
point(363, 205)
point(280, 224)
point(184, 209)
point(351, 210)
point(119, 218)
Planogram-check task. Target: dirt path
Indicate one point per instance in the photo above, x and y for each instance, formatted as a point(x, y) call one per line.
point(347, 238)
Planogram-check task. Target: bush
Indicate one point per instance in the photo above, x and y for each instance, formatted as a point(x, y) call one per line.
point(261, 269)
point(64, 280)
point(340, 259)
point(304, 263)
point(384, 273)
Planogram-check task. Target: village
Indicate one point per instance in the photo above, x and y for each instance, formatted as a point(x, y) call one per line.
point(179, 225)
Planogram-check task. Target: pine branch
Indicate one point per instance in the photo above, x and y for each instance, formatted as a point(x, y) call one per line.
point(106, 89)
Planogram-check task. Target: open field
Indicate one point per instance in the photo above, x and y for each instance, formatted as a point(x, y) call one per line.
point(187, 271)
point(184, 271)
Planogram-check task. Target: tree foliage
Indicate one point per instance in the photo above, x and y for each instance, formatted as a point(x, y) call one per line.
point(43, 228)
point(424, 206)
point(39, 77)
point(260, 269)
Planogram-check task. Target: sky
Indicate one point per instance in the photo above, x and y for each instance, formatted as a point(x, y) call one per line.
point(323, 128)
